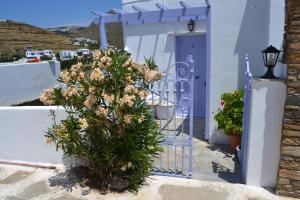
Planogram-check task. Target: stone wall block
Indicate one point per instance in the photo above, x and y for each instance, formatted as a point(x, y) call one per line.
point(290, 174)
point(290, 151)
point(293, 127)
point(291, 141)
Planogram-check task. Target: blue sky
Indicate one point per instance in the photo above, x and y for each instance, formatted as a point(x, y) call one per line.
point(50, 13)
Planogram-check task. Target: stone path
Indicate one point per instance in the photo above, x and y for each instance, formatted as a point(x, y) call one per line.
point(25, 183)
point(210, 162)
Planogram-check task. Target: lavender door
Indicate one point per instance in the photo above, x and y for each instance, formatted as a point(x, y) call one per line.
point(195, 46)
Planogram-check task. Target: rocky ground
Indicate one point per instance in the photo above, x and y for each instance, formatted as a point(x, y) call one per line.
point(23, 183)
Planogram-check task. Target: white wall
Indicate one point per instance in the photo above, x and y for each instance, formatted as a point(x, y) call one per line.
point(22, 134)
point(264, 137)
point(25, 82)
point(237, 28)
point(156, 40)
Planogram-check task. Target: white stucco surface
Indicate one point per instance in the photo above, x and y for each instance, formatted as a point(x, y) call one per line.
point(25, 82)
point(22, 134)
point(237, 28)
point(267, 107)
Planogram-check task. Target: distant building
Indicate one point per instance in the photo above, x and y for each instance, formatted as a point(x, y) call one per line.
point(67, 55)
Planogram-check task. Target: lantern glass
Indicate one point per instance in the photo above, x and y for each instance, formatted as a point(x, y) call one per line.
point(191, 25)
point(270, 56)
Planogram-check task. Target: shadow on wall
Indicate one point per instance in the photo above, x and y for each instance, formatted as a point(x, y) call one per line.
point(253, 37)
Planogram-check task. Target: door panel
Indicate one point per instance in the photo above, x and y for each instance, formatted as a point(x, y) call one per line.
point(195, 46)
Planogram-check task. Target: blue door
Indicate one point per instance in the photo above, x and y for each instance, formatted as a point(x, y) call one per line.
point(195, 46)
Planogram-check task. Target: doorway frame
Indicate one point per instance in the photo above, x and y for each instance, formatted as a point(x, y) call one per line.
point(207, 71)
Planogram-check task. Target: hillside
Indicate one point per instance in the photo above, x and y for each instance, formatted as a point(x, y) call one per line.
point(15, 36)
point(114, 32)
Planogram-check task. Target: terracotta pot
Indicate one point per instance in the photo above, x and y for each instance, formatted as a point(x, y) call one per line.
point(234, 140)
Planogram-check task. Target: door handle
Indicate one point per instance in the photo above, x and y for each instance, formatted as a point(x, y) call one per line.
point(197, 77)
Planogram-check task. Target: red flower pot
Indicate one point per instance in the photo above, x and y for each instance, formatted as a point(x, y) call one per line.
point(234, 140)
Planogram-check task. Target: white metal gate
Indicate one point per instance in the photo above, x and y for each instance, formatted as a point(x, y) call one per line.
point(172, 106)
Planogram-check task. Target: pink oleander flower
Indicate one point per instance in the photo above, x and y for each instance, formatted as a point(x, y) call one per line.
point(130, 89)
point(97, 75)
point(65, 76)
point(48, 97)
point(129, 80)
point(128, 63)
point(101, 111)
point(70, 92)
point(97, 55)
point(108, 98)
point(92, 89)
point(127, 119)
point(143, 94)
point(83, 123)
point(81, 75)
point(127, 100)
point(90, 101)
point(106, 61)
point(151, 75)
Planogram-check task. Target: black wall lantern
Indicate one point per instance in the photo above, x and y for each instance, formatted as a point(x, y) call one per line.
point(270, 56)
point(191, 25)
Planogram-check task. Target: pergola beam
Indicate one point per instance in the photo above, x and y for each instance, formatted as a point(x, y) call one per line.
point(139, 9)
point(161, 7)
point(120, 12)
point(143, 16)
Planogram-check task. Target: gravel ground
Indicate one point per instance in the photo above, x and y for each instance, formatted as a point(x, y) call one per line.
point(24, 183)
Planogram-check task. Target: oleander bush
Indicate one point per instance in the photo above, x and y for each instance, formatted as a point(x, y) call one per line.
point(108, 125)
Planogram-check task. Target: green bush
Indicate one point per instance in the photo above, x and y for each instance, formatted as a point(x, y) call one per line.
point(109, 125)
point(67, 64)
point(230, 115)
point(45, 58)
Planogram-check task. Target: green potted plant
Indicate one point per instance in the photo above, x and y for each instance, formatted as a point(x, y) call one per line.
point(230, 116)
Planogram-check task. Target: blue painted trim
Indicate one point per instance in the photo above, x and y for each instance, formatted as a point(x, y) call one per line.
point(119, 11)
point(246, 119)
point(185, 5)
point(103, 33)
point(154, 16)
point(161, 7)
point(208, 72)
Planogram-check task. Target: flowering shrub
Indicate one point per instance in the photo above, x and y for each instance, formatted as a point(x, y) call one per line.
point(109, 126)
point(230, 114)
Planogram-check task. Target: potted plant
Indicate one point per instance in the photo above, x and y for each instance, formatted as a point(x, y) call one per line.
point(230, 116)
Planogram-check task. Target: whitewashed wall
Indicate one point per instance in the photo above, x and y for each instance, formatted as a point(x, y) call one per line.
point(22, 134)
point(25, 82)
point(237, 28)
point(264, 137)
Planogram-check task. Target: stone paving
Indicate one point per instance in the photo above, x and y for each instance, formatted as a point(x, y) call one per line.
point(211, 162)
point(25, 183)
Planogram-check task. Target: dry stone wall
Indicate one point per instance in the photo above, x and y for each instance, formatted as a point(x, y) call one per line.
point(289, 170)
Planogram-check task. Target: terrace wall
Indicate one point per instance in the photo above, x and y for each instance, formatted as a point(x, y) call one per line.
point(22, 134)
point(25, 82)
